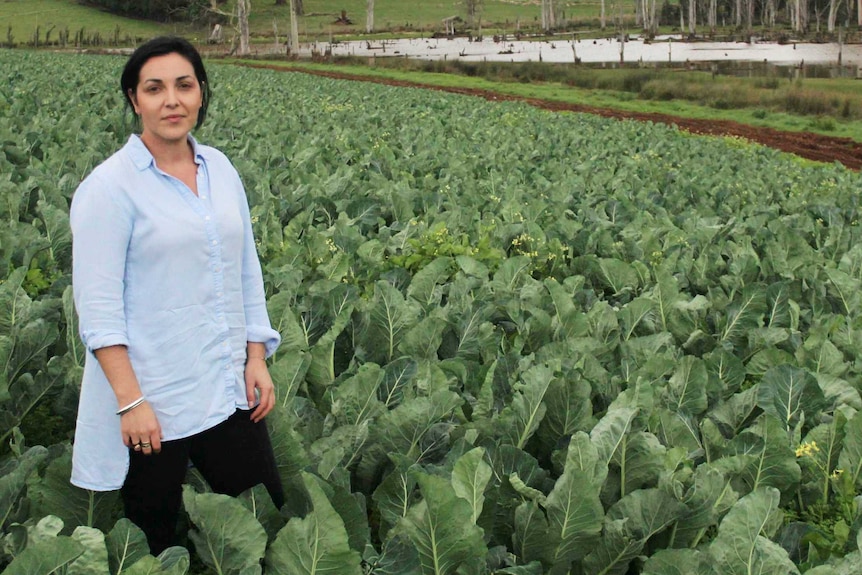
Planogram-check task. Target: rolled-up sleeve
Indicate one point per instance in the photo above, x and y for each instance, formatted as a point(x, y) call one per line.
point(101, 229)
point(258, 327)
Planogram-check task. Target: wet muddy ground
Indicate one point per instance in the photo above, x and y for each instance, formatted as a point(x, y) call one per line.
point(808, 145)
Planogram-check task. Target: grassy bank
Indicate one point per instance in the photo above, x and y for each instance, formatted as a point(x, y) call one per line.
point(41, 22)
point(829, 107)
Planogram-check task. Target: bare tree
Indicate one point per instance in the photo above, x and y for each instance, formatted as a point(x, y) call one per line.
point(834, 7)
point(369, 17)
point(603, 17)
point(646, 10)
point(767, 16)
point(692, 16)
point(712, 15)
point(294, 27)
point(548, 17)
point(474, 9)
point(800, 15)
point(242, 10)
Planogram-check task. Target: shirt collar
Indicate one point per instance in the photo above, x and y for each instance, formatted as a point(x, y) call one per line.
point(143, 159)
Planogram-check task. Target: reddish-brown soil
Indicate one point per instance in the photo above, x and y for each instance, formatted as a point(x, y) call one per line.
point(804, 144)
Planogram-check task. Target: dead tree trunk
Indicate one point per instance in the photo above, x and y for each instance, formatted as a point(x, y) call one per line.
point(604, 18)
point(242, 10)
point(834, 7)
point(369, 17)
point(548, 21)
point(692, 16)
point(294, 28)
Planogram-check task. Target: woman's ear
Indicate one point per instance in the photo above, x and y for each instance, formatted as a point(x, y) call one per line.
point(134, 100)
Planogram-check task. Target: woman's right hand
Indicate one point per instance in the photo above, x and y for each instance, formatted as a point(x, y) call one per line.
point(141, 430)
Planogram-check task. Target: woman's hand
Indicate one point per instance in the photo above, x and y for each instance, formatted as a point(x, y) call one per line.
point(257, 377)
point(141, 430)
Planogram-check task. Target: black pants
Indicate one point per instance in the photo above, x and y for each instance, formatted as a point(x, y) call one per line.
point(233, 456)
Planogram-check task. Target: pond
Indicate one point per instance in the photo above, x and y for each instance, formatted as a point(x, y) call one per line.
point(664, 49)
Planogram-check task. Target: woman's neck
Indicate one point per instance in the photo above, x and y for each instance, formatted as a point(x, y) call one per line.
point(168, 153)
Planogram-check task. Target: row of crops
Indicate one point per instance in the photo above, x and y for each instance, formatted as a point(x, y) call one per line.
point(513, 342)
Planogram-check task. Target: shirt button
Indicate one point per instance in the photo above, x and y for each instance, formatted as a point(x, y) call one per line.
point(215, 242)
point(227, 368)
point(203, 197)
point(219, 294)
point(207, 218)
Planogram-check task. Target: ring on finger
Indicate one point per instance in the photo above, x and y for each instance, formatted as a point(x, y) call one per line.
point(146, 444)
point(137, 447)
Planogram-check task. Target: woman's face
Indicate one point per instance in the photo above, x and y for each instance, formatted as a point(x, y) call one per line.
point(167, 98)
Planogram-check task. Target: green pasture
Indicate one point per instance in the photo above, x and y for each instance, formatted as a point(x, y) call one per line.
point(399, 16)
point(21, 18)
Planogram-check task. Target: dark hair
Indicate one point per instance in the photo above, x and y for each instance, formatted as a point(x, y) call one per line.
point(161, 46)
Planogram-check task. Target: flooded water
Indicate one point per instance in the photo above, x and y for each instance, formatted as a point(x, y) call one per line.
point(662, 49)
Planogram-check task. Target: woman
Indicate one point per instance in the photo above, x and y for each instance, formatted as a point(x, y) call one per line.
point(170, 299)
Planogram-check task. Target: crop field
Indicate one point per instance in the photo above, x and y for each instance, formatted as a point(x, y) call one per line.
point(514, 342)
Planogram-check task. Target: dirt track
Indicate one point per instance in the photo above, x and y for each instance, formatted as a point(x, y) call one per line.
point(804, 144)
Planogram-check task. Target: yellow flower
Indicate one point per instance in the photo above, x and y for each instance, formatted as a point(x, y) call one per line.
point(807, 449)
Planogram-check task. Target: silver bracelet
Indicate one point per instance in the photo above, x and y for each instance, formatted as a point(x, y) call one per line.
point(131, 406)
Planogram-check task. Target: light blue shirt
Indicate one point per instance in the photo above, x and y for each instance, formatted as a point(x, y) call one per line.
point(173, 276)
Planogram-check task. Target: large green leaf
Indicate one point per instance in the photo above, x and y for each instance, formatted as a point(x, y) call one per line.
point(743, 545)
point(850, 459)
point(425, 285)
point(744, 314)
point(787, 392)
point(628, 525)
point(13, 480)
point(399, 557)
point(355, 401)
point(845, 290)
point(387, 318)
point(470, 477)
point(568, 409)
point(290, 454)
point(530, 534)
point(394, 496)
point(767, 458)
point(94, 559)
point(75, 506)
point(351, 507)
point(315, 544)
point(677, 562)
point(525, 413)
point(402, 430)
point(227, 536)
point(126, 545)
point(45, 557)
point(574, 509)
point(397, 376)
point(609, 432)
point(778, 312)
point(640, 459)
point(707, 499)
point(686, 391)
point(288, 373)
point(258, 501)
point(441, 529)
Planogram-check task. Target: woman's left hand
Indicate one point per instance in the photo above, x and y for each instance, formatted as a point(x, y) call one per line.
point(257, 377)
